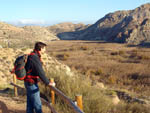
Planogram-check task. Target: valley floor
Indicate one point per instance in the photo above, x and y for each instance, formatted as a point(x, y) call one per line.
point(117, 65)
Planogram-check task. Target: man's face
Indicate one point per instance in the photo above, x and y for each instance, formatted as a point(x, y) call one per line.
point(43, 50)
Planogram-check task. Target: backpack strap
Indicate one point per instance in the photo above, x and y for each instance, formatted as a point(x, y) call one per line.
point(26, 57)
point(32, 53)
point(21, 78)
point(30, 78)
point(13, 70)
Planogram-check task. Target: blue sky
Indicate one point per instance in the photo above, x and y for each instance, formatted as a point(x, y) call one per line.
point(57, 11)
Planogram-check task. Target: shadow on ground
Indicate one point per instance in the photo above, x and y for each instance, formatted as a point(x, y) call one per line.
point(5, 109)
point(142, 45)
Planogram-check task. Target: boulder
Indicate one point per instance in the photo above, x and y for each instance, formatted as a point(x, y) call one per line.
point(1, 47)
point(115, 99)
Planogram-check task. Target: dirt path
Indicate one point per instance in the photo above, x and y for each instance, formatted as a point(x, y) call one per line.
point(15, 105)
point(11, 105)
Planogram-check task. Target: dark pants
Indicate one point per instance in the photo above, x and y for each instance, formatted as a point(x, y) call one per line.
point(33, 98)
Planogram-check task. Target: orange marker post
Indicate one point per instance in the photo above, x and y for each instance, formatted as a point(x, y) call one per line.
point(15, 88)
point(52, 92)
point(79, 101)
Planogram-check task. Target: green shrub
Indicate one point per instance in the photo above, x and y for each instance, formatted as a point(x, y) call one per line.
point(4, 58)
point(73, 48)
point(121, 52)
point(118, 53)
point(131, 108)
point(63, 56)
point(94, 99)
point(143, 57)
point(24, 49)
point(94, 72)
point(84, 47)
point(99, 71)
point(112, 79)
point(114, 53)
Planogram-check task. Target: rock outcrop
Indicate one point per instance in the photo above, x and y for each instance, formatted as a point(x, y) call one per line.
point(130, 99)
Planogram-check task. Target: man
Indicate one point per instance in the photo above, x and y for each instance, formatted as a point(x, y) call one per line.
point(35, 72)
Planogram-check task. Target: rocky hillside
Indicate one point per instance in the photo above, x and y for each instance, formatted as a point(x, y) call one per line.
point(40, 33)
point(7, 58)
point(67, 30)
point(14, 36)
point(130, 26)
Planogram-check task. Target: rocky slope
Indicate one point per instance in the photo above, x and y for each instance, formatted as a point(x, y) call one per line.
point(130, 26)
point(67, 30)
point(13, 36)
point(7, 58)
point(40, 33)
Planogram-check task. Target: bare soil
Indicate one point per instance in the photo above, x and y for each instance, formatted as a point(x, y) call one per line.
point(11, 104)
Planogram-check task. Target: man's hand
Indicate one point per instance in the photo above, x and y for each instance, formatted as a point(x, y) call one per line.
point(52, 84)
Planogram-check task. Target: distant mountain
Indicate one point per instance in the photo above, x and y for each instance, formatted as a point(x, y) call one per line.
point(20, 36)
point(67, 30)
point(132, 26)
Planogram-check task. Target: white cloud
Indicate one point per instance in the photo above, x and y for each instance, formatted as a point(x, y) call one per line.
point(31, 21)
point(34, 22)
point(25, 22)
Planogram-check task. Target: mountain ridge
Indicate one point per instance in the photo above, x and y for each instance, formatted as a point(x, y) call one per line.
point(126, 26)
point(12, 36)
point(121, 26)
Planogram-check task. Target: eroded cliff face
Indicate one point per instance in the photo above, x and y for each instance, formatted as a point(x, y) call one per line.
point(122, 26)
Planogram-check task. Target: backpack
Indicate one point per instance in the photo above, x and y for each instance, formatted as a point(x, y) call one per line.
point(19, 67)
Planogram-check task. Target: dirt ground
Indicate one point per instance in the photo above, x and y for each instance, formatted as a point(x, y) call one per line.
point(9, 105)
point(15, 105)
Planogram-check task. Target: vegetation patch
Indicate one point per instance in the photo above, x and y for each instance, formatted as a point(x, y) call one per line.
point(64, 56)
